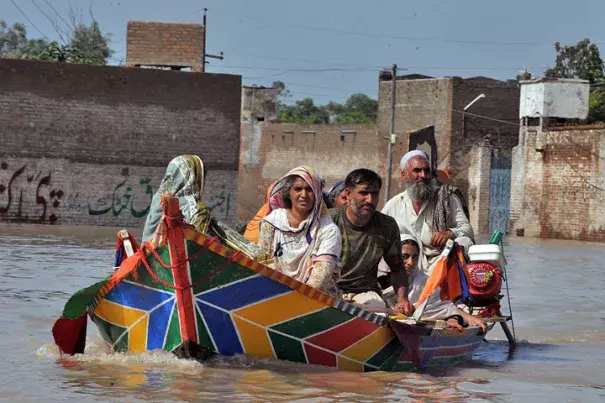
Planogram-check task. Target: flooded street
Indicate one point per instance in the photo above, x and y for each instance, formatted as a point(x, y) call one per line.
point(557, 289)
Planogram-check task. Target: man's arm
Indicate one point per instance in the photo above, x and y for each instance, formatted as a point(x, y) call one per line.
point(459, 226)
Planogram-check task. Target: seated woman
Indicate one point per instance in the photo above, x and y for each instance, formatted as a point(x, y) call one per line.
point(185, 178)
point(299, 234)
point(435, 308)
point(337, 196)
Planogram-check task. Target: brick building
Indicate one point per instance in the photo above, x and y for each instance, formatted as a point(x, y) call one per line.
point(469, 145)
point(85, 144)
point(161, 44)
point(558, 186)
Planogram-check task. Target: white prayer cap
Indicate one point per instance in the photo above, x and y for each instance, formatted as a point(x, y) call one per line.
point(410, 155)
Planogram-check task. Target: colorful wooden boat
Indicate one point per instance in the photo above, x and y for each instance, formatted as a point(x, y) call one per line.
point(191, 295)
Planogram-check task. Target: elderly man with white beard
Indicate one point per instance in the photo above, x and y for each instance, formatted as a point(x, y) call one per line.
point(432, 214)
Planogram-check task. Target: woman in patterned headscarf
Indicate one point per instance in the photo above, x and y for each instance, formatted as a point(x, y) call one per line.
point(185, 178)
point(299, 234)
point(336, 196)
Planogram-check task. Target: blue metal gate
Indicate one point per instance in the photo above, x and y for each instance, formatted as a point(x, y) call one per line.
point(499, 193)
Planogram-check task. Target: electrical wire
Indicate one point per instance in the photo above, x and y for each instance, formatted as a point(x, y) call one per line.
point(55, 26)
point(30, 21)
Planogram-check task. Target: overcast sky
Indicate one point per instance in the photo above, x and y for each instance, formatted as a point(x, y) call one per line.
point(330, 49)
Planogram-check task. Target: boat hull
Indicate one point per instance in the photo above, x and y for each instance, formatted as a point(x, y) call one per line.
point(221, 302)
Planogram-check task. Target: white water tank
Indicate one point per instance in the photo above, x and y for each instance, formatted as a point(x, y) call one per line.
point(565, 98)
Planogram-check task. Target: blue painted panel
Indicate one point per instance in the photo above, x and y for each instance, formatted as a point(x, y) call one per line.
point(158, 326)
point(499, 200)
point(221, 329)
point(244, 293)
point(135, 296)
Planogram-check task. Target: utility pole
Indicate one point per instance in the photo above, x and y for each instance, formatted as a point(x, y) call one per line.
point(392, 138)
point(204, 54)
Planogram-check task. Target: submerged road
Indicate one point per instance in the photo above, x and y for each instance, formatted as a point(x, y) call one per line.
point(556, 287)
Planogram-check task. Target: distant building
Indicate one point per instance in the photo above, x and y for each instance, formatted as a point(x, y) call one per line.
point(165, 45)
point(472, 144)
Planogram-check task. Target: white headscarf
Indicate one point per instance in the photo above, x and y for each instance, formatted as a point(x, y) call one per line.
point(316, 238)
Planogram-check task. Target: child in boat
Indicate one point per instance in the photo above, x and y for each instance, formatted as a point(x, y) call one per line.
point(435, 308)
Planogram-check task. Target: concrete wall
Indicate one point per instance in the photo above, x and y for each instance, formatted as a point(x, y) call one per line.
point(268, 151)
point(563, 195)
point(88, 144)
point(165, 44)
point(259, 103)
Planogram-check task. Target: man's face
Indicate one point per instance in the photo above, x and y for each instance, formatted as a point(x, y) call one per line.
point(417, 170)
point(363, 199)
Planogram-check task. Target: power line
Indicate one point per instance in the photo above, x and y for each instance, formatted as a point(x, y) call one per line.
point(386, 36)
point(30, 21)
point(55, 26)
point(58, 15)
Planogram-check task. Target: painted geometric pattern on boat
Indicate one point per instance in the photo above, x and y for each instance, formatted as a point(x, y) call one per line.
point(247, 308)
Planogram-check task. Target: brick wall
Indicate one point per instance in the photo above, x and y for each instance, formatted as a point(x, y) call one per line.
point(564, 192)
point(419, 103)
point(501, 103)
point(82, 144)
point(165, 44)
point(479, 161)
point(269, 151)
point(437, 101)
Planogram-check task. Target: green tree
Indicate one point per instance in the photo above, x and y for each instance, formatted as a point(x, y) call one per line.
point(362, 106)
point(359, 108)
point(578, 61)
point(303, 111)
point(596, 106)
point(90, 45)
point(87, 45)
point(12, 39)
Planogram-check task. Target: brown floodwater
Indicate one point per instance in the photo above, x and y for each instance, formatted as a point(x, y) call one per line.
point(556, 288)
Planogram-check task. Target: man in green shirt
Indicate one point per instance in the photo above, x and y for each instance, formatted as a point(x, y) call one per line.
point(368, 236)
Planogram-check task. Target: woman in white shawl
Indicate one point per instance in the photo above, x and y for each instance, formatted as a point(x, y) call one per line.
point(299, 234)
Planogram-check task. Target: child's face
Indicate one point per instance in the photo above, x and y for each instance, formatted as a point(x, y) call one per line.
point(409, 253)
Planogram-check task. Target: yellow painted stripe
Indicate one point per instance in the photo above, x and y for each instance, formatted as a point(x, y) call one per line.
point(137, 340)
point(117, 314)
point(254, 338)
point(280, 309)
point(348, 365)
point(364, 349)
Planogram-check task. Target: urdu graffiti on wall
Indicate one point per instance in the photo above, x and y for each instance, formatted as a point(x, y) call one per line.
point(27, 197)
point(124, 198)
point(137, 200)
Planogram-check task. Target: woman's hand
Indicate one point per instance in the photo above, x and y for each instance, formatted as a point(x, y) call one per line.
point(475, 321)
point(453, 323)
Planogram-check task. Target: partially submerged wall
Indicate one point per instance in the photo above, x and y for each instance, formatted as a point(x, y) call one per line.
point(563, 192)
point(89, 144)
